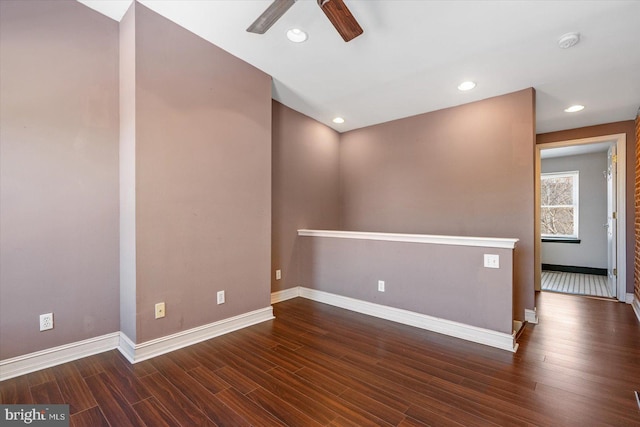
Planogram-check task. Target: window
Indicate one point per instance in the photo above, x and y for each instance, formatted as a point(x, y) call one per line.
point(559, 204)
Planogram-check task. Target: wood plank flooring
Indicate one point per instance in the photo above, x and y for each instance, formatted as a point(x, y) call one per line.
point(575, 283)
point(317, 365)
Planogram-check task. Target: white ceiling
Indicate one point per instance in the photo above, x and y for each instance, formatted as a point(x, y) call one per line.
point(413, 54)
point(576, 150)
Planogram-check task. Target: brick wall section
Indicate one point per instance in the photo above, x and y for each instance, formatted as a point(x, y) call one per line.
point(636, 276)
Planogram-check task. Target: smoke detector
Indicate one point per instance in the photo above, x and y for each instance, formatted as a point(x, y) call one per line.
point(568, 40)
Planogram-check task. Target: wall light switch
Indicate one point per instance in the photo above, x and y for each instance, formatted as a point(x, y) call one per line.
point(491, 261)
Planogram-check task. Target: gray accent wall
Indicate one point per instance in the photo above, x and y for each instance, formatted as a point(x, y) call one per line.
point(58, 174)
point(592, 249)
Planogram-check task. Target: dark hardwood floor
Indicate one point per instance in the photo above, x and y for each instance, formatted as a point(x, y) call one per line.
point(320, 365)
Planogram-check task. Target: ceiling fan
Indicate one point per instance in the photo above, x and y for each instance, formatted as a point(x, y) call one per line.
point(336, 11)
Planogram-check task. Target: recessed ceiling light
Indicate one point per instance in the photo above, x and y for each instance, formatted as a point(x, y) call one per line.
point(468, 85)
point(296, 35)
point(338, 120)
point(574, 108)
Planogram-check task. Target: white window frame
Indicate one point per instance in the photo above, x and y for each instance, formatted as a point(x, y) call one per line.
point(575, 177)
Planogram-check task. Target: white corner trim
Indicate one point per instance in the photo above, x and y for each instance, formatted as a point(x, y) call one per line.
point(531, 315)
point(629, 298)
point(636, 307)
point(47, 358)
point(488, 242)
point(285, 294)
point(488, 337)
point(166, 344)
point(127, 347)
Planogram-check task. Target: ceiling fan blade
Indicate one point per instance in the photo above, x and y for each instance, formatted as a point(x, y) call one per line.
point(341, 18)
point(270, 16)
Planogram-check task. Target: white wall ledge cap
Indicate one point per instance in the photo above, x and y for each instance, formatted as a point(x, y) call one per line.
point(487, 242)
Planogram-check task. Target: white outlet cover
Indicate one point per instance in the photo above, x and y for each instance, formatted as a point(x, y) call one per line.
point(46, 321)
point(491, 261)
point(381, 285)
point(220, 296)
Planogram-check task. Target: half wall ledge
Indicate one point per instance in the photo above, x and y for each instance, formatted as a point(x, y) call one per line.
point(434, 281)
point(487, 242)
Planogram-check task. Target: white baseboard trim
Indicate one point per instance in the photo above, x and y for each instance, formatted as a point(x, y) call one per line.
point(285, 294)
point(531, 315)
point(629, 298)
point(488, 337)
point(32, 362)
point(146, 350)
point(47, 358)
point(127, 347)
point(636, 307)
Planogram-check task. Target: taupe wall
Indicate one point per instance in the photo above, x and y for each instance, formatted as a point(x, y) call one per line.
point(195, 163)
point(305, 187)
point(592, 211)
point(128, 174)
point(628, 128)
point(444, 281)
point(203, 179)
point(466, 171)
point(58, 174)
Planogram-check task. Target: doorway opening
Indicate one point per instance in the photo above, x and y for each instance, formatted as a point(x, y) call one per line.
point(580, 217)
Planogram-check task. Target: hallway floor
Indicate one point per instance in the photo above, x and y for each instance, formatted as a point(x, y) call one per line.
point(575, 283)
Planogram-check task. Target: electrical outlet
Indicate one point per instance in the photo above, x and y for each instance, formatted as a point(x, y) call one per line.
point(160, 311)
point(46, 321)
point(278, 274)
point(220, 297)
point(491, 261)
point(380, 285)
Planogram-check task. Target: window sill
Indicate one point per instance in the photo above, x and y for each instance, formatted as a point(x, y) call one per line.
point(560, 240)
